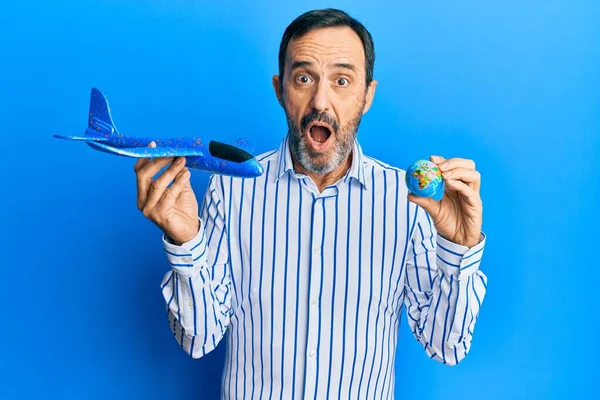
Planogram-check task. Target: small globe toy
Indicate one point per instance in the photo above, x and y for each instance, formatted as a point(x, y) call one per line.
point(424, 179)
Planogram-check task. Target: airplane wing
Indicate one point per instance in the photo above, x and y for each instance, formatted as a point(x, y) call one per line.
point(148, 152)
point(84, 138)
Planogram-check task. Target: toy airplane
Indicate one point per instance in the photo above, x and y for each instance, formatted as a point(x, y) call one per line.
point(101, 134)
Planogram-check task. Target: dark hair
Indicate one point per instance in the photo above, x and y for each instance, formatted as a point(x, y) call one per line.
point(327, 18)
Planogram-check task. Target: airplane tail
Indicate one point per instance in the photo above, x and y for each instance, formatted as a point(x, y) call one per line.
point(100, 122)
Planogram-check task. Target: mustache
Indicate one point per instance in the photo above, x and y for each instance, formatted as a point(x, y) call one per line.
point(315, 116)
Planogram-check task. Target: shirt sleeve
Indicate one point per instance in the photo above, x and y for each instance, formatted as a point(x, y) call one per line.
point(197, 289)
point(444, 289)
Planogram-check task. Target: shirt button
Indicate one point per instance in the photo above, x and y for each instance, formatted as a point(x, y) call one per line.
point(315, 301)
point(186, 259)
point(191, 304)
point(317, 250)
point(313, 354)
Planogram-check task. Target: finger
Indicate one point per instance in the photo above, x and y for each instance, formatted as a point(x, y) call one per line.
point(145, 175)
point(170, 196)
point(452, 163)
point(437, 159)
point(142, 161)
point(469, 176)
point(154, 165)
point(427, 203)
point(159, 185)
point(143, 181)
point(471, 197)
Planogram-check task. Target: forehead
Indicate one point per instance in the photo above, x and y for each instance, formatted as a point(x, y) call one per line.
point(326, 45)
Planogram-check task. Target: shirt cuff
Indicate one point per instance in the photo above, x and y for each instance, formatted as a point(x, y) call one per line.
point(189, 257)
point(458, 260)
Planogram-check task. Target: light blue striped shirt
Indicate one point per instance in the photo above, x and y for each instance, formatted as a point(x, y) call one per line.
point(309, 286)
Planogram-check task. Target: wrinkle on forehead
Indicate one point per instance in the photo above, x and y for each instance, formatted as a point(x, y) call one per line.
point(327, 46)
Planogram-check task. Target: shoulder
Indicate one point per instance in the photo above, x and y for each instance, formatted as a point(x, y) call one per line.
point(267, 156)
point(379, 166)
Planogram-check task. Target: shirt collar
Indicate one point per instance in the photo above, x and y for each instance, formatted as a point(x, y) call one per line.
point(356, 171)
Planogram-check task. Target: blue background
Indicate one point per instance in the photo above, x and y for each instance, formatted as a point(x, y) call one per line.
point(514, 85)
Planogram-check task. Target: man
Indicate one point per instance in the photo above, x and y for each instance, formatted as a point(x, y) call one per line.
point(307, 267)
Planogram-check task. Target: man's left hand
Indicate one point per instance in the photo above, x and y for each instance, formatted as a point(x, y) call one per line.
point(458, 216)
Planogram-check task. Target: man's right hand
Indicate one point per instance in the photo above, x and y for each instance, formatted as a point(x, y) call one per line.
point(174, 209)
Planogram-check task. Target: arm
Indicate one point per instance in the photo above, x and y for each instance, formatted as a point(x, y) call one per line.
point(197, 289)
point(444, 289)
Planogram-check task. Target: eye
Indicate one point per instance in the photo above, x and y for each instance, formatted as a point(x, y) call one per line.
point(342, 82)
point(304, 79)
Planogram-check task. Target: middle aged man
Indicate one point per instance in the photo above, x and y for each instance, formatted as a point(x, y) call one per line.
point(306, 267)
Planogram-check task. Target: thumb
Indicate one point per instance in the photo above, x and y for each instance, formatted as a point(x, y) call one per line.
point(427, 203)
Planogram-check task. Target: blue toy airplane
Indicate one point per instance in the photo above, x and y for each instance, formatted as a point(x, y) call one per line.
point(101, 134)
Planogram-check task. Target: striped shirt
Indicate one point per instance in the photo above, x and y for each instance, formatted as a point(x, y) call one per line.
point(306, 288)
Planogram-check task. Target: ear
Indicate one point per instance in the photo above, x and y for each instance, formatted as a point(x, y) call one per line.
point(277, 86)
point(370, 95)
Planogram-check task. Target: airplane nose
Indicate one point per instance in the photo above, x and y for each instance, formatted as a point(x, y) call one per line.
point(257, 167)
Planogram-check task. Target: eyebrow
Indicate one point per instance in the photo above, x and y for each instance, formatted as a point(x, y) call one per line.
point(346, 66)
point(302, 64)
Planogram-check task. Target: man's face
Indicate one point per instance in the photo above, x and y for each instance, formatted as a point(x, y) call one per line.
point(324, 96)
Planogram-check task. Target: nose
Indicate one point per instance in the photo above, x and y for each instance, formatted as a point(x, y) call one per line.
point(320, 99)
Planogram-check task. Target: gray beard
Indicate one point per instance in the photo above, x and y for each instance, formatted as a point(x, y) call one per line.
point(309, 159)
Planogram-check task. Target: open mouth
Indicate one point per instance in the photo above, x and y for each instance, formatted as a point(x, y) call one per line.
point(318, 135)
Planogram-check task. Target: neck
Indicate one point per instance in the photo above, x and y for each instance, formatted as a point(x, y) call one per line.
point(324, 180)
